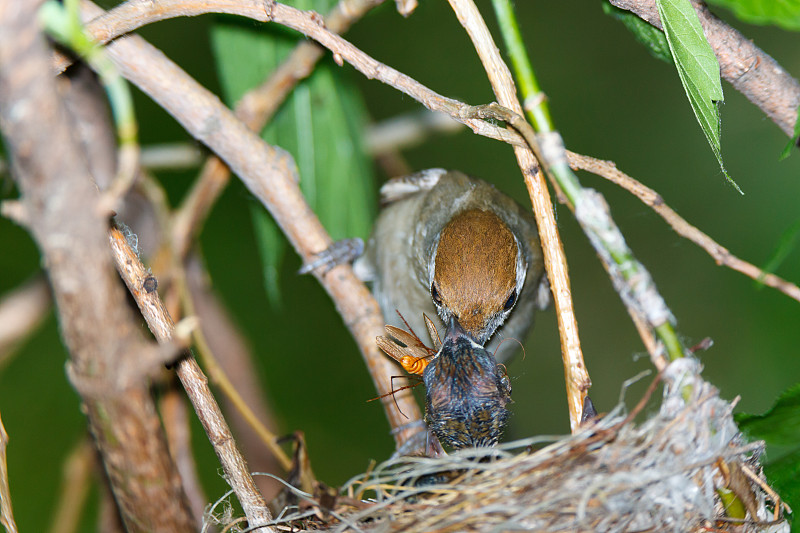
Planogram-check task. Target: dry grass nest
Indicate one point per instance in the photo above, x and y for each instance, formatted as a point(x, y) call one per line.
point(670, 473)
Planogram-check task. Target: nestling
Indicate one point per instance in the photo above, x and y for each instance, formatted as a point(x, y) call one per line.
point(466, 393)
point(455, 245)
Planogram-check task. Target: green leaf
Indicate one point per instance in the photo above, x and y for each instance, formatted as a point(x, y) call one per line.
point(786, 244)
point(780, 426)
point(271, 248)
point(780, 429)
point(783, 13)
point(698, 69)
point(784, 476)
point(646, 34)
point(320, 124)
point(789, 148)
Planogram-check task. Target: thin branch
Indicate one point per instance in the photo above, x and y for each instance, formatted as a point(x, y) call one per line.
point(6, 513)
point(575, 374)
point(396, 133)
point(97, 326)
point(194, 381)
point(406, 7)
point(271, 175)
point(749, 69)
point(187, 283)
point(134, 14)
point(720, 254)
point(75, 483)
point(220, 378)
point(21, 312)
point(175, 414)
point(255, 109)
point(407, 130)
point(171, 156)
point(238, 363)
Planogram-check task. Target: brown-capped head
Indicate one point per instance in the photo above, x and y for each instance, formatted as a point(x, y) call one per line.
point(477, 272)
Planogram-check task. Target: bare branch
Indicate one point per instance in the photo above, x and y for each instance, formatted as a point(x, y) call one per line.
point(134, 14)
point(238, 364)
point(221, 380)
point(255, 109)
point(21, 312)
point(171, 156)
point(136, 277)
point(720, 254)
point(75, 483)
point(191, 296)
point(575, 374)
point(6, 513)
point(749, 69)
point(96, 324)
point(271, 175)
point(175, 413)
point(407, 130)
point(396, 133)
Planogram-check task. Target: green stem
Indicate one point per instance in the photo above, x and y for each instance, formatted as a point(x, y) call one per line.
point(62, 22)
point(539, 115)
point(602, 231)
point(667, 335)
point(732, 504)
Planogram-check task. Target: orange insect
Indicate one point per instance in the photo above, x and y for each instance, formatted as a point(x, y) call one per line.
point(407, 348)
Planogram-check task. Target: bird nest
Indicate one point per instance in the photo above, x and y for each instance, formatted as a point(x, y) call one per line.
point(670, 473)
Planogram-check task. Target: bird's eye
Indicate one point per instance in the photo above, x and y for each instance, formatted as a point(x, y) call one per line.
point(512, 299)
point(435, 295)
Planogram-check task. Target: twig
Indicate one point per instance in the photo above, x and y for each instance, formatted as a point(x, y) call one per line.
point(96, 324)
point(133, 14)
point(194, 381)
point(186, 282)
point(21, 312)
point(748, 68)
point(407, 130)
point(575, 374)
point(75, 484)
point(175, 414)
point(171, 156)
point(779, 504)
point(720, 254)
point(220, 378)
point(6, 513)
point(238, 363)
point(406, 7)
point(402, 131)
point(271, 175)
point(255, 109)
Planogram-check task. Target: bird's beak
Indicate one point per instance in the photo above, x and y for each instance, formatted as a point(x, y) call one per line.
point(454, 330)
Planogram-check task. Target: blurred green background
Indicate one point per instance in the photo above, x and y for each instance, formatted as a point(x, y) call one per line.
point(610, 99)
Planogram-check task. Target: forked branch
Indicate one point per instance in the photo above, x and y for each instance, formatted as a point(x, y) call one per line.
point(142, 287)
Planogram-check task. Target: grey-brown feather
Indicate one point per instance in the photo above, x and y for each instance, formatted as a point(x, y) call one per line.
point(404, 240)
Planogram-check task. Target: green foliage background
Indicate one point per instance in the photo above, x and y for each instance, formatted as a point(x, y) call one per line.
point(610, 99)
